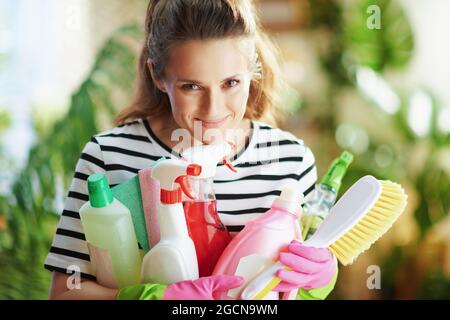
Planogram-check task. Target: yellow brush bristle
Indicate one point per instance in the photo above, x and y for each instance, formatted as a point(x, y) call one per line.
point(373, 225)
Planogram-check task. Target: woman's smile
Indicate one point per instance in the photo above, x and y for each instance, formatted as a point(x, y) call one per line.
point(207, 123)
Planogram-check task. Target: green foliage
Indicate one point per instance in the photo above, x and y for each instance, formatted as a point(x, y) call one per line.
point(417, 161)
point(5, 120)
point(433, 186)
point(30, 210)
point(353, 44)
point(435, 286)
point(390, 268)
point(389, 46)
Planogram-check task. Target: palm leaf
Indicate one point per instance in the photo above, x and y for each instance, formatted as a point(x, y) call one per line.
point(29, 210)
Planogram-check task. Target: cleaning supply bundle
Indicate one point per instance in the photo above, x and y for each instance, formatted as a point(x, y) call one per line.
point(261, 240)
point(324, 196)
point(362, 215)
point(209, 234)
point(110, 235)
point(173, 258)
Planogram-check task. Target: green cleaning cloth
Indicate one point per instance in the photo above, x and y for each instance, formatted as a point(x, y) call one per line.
point(129, 194)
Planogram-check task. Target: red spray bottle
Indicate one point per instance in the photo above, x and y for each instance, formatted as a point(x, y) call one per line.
point(205, 228)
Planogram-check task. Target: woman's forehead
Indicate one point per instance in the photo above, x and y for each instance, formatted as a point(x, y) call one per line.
point(208, 60)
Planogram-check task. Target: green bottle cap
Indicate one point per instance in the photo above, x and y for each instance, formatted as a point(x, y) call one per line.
point(99, 192)
point(337, 170)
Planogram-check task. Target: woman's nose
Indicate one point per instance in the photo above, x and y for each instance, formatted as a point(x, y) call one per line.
point(213, 103)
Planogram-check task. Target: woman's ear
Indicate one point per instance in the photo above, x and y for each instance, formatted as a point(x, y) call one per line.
point(158, 83)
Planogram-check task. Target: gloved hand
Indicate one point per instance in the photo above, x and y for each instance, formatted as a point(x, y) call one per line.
point(145, 291)
point(202, 288)
point(199, 289)
point(311, 267)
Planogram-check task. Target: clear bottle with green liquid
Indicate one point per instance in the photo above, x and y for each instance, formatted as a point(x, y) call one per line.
point(325, 194)
point(110, 235)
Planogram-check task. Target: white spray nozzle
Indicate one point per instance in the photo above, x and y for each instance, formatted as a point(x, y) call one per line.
point(208, 156)
point(168, 171)
point(171, 171)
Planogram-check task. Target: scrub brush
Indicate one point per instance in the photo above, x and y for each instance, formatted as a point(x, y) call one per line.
point(362, 215)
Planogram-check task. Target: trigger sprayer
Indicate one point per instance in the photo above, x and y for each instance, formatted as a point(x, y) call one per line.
point(325, 194)
point(173, 258)
point(209, 234)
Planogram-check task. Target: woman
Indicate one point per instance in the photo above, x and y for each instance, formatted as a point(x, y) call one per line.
point(206, 73)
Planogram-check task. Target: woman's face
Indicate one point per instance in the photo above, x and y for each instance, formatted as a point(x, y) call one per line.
point(208, 82)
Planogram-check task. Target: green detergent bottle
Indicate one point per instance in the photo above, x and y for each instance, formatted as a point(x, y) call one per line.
point(325, 194)
point(110, 235)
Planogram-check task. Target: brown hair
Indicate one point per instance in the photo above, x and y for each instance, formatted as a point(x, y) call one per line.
point(170, 22)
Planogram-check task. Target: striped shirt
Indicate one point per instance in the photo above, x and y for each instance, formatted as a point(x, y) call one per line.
point(271, 160)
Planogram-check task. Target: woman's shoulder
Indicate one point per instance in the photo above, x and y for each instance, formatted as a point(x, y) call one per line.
point(133, 131)
point(130, 136)
point(267, 132)
point(288, 144)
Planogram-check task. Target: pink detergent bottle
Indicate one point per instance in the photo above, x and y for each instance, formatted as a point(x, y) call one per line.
point(260, 242)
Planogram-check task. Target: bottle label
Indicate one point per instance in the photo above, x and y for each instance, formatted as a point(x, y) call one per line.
point(102, 263)
point(249, 267)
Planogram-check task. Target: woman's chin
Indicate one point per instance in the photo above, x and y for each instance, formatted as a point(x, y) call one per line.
point(212, 136)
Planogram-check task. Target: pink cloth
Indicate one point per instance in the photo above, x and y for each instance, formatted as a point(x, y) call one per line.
point(311, 267)
point(150, 190)
point(202, 288)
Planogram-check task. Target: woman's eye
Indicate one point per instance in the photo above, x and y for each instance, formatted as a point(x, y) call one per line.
point(191, 87)
point(232, 83)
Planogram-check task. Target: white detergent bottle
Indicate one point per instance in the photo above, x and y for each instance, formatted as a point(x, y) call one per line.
point(110, 236)
point(173, 258)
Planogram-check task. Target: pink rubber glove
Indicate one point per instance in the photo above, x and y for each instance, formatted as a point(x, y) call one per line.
point(311, 267)
point(202, 288)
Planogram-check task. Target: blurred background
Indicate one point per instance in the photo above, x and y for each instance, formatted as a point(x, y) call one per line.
point(372, 77)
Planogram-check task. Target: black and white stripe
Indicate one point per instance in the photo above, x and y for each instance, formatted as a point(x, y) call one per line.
point(273, 159)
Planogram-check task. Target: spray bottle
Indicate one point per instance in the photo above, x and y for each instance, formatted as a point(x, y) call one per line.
point(325, 194)
point(173, 258)
point(110, 235)
point(204, 225)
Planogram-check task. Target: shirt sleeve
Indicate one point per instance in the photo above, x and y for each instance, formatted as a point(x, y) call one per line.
point(69, 251)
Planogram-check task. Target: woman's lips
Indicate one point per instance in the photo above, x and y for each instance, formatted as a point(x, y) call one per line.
point(212, 123)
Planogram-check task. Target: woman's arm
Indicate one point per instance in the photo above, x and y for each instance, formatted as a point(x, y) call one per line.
point(89, 290)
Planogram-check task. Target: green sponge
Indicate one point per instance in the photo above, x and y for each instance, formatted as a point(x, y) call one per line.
point(129, 194)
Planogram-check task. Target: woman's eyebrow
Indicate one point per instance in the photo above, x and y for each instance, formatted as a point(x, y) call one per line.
point(232, 77)
point(199, 82)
